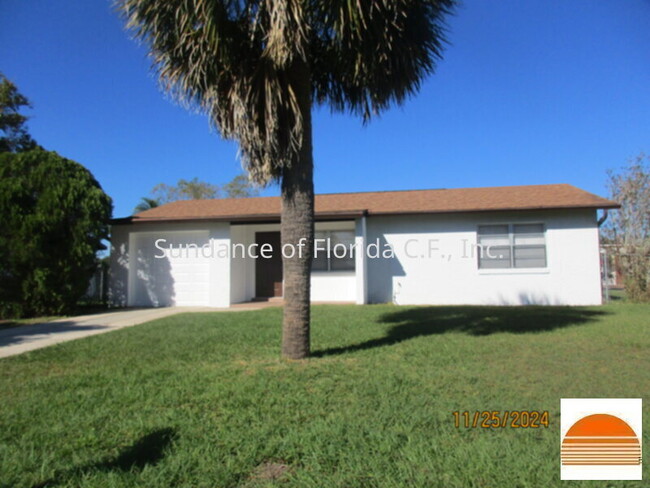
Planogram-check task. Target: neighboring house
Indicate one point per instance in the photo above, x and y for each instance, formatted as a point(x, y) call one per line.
point(504, 245)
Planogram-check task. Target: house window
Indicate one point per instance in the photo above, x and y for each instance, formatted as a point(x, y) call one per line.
point(511, 246)
point(333, 251)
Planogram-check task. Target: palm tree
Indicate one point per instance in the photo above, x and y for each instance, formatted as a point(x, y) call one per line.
point(256, 68)
point(146, 204)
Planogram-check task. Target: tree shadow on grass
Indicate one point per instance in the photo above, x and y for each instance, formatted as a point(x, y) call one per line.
point(146, 451)
point(410, 323)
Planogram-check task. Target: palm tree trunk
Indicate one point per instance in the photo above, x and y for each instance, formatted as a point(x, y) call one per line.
point(297, 223)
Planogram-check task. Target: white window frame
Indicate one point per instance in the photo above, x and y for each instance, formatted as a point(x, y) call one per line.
point(328, 238)
point(511, 243)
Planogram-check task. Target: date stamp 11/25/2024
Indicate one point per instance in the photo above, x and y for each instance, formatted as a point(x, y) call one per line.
point(500, 419)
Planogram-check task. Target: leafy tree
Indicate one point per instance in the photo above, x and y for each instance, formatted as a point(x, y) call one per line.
point(258, 67)
point(629, 227)
point(193, 189)
point(240, 187)
point(146, 204)
point(13, 133)
point(53, 216)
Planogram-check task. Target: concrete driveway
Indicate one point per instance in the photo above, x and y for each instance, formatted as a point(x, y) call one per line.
point(17, 340)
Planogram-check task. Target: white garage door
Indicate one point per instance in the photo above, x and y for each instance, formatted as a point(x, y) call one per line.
point(179, 278)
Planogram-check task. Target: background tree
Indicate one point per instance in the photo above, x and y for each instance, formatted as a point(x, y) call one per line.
point(628, 229)
point(146, 204)
point(13, 131)
point(257, 67)
point(193, 189)
point(240, 187)
point(51, 231)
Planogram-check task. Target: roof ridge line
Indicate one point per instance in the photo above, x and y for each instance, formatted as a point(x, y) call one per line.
point(384, 191)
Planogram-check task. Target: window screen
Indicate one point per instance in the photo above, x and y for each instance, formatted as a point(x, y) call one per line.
point(494, 247)
point(529, 246)
point(511, 246)
point(319, 263)
point(341, 253)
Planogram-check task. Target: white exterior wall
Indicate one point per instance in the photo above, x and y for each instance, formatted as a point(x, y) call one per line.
point(334, 286)
point(361, 263)
point(325, 286)
point(192, 278)
point(220, 268)
point(243, 269)
point(118, 271)
point(240, 288)
point(442, 277)
point(448, 276)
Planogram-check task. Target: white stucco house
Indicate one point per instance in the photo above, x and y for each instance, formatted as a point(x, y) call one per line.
point(503, 245)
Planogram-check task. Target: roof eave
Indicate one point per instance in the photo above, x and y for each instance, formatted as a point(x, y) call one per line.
point(321, 216)
point(501, 209)
point(239, 219)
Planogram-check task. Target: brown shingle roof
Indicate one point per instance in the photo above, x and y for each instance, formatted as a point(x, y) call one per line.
point(533, 197)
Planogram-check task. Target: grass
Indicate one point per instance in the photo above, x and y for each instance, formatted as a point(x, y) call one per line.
point(202, 400)
point(617, 295)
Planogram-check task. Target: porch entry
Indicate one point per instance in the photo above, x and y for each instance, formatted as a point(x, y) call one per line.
point(268, 272)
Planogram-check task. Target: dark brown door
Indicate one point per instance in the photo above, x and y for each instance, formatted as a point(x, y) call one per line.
point(268, 271)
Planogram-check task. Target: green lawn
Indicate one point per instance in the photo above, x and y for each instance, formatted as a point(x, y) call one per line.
point(202, 400)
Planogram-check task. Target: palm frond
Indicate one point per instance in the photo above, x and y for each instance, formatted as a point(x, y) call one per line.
point(236, 61)
point(370, 54)
point(146, 204)
point(231, 60)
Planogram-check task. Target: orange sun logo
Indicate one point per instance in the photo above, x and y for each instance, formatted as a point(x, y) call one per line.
point(603, 440)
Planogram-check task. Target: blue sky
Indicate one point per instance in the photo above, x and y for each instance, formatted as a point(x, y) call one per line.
point(529, 92)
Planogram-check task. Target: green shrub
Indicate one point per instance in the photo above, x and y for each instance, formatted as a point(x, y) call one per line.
point(53, 218)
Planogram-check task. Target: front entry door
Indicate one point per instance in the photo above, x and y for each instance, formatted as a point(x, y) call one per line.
point(268, 272)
